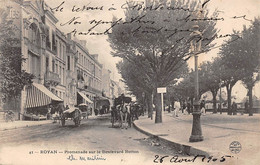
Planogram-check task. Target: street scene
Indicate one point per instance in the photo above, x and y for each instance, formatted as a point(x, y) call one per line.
point(129, 82)
point(93, 134)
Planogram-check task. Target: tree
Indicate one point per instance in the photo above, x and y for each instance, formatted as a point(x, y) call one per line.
point(13, 78)
point(159, 32)
point(210, 78)
point(137, 83)
point(241, 60)
point(230, 74)
point(250, 58)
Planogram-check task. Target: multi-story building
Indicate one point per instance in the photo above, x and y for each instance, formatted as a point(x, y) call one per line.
point(43, 57)
point(65, 73)
point(89, 72)
point(106, 82)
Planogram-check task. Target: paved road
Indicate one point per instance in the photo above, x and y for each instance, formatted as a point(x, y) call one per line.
point(40, 143)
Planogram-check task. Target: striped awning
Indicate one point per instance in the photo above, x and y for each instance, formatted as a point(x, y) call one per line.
point(38, 95)
point(85, 97)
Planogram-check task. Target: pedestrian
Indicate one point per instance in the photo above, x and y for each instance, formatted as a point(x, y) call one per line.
point(177, 107)
point(184, 107)
point(234, 108)
point(246, 106)
point(49, 112)
point(202, 107)
point(96, 111)
point(189, 107)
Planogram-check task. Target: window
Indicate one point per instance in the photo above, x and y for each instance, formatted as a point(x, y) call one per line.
point(57, 68)
point(68, 62)
point(64, 77)
point(53, 66)
point(54, 44)
point(60, 51)
point(47, 64)
point(64, 53)
point(48, 43)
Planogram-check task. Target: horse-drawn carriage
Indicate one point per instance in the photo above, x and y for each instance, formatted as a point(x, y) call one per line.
point(73, 114)
point(121, 112)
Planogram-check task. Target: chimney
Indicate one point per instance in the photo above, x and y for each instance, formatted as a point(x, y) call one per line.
point(95, 56)
point(69, 36)
point(83, 43)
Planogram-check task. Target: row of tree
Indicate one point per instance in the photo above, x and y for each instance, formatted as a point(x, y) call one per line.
point(238, 59)
point(155, 45)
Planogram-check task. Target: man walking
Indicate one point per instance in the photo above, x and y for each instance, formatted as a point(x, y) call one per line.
point(177, 107)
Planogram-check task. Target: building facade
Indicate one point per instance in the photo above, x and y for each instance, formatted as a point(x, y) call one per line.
point(65, 72)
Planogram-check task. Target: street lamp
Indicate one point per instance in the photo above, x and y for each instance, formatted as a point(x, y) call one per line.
point(196, 37)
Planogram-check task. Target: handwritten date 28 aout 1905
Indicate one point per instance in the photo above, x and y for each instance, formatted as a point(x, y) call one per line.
point(177, 159)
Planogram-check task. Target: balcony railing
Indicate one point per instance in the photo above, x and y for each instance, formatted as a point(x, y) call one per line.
point(52, 78)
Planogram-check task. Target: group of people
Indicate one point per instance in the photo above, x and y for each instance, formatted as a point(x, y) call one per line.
point(186, 108)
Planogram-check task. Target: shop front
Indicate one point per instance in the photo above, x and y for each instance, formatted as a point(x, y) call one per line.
point(39, 102)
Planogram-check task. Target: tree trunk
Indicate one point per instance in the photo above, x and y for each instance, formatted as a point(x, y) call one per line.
point(229, 89)
point(214, 94)
point(150, 106)
point(158, 107)
point(250, 94)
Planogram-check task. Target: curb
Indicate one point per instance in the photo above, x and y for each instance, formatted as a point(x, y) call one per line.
point(186, 149)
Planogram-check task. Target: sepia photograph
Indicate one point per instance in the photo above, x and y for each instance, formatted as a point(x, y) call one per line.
point(131, 82)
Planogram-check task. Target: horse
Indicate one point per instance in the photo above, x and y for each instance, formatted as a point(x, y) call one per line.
point(124, 114)
point(115, 114)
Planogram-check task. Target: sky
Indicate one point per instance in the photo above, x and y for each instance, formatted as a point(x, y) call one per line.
point(99, 44)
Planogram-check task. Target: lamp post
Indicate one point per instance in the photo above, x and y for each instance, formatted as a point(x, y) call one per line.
point(196, 134)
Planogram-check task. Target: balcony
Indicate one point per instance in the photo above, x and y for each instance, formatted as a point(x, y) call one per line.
point(52, 79)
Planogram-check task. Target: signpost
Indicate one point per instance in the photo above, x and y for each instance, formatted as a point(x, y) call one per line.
point(161, 90)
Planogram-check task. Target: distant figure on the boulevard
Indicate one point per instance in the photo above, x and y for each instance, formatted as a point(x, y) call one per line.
point(184, 108)
point(234, 108)
point(246, 106)
point(189, 107)
point(177, 107)
point(202, 107)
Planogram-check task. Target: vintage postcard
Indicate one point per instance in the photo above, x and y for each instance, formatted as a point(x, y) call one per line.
point(131, 82)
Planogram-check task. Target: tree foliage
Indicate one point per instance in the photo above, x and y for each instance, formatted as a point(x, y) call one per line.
point(160, 38)
point(241, 59)
point(210, 77)
point(13, 78)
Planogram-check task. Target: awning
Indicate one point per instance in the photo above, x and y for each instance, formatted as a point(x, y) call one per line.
point(85, 97)
point(38, 95)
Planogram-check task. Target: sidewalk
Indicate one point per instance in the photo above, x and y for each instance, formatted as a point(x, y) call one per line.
point(20, 124)
point(219, 132)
